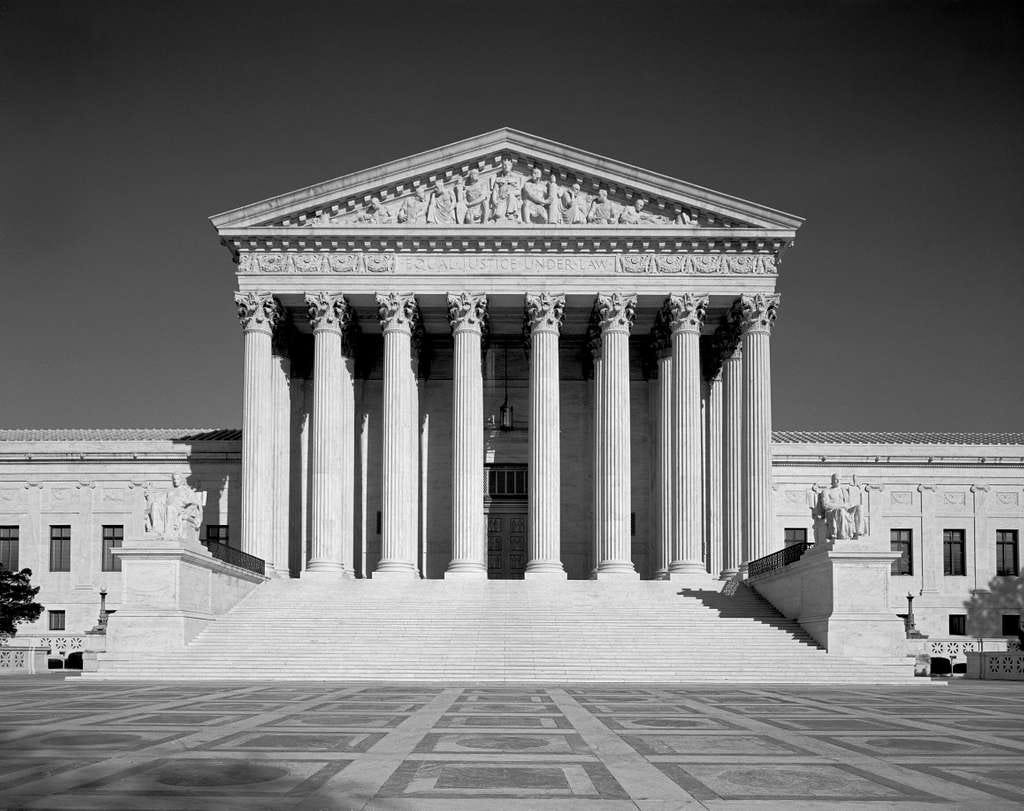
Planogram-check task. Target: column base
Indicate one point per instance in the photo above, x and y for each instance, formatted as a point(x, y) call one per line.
point(544, 570)
point(687, 568)
point(661, 574)
point(394, 570)
point(616, 570)
point(326, 575)
point(728, 574)
point(325, 567)
point(466, 572)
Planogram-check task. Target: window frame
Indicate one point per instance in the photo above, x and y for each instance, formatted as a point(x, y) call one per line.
point(63, 545)
point(213, 533)
point(960, 620)
point(10, 545)
point(1013, 541)
point(952, 539)
point(908, 557)
point(110, 562)
point(1014, 620)
point(56, 614)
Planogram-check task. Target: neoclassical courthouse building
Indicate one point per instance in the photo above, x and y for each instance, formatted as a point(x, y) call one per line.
point(507, 358)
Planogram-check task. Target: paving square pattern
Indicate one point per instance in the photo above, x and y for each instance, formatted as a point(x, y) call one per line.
point(231, 745)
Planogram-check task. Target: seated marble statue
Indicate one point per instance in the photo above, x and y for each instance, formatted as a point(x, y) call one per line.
point(841, 512)
point(175, 513)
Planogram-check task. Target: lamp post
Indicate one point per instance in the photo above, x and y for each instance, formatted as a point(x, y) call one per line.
point(102, 621)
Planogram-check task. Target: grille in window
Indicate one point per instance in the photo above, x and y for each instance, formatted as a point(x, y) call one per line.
point(506, 482)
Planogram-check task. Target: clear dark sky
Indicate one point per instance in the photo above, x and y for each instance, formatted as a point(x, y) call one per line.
point(895, 129)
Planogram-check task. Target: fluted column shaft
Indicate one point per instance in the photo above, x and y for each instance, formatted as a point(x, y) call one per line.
point(469, 541)
point(686, 314)
point(544, 318)
point(259, 313)
point(732, 463)
point(596, 454)
point(663, 456)
point(280, 385)
point(758, 314)
point(330, 445)
point(713, 478)
point(616, 314)
point(398, 314)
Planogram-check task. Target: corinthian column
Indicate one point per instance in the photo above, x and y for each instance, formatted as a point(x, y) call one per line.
point(615, 319)
point(597, 439)
point(398, 316)
point(686, 314)
point(331, 468)
point(757, 315)
point(544, 320)
point(466, 313)
point(727, 341)
point(259, 314)
point(661, 341)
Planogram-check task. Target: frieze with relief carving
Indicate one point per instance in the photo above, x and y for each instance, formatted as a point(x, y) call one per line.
point(328, 263)
point(506, 190)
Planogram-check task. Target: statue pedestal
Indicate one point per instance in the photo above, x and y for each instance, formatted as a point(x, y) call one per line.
point(173, 588)
point(839, 592)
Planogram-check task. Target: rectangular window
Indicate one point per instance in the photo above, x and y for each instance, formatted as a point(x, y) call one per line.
point(9, 547)
point(1007, 553)
point(56, 620)
point(217, 532)
point(902, 541)
point(953, 552)
point(794, 535)
point(60, 548)
point(1011, 624)
point(113, 536)
point(958, 625)
point(506, 482)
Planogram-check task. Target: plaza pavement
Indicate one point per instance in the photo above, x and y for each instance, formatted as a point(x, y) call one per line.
point(239, 745)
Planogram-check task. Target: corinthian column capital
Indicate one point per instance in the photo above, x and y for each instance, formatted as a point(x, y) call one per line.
point(686, 312)
point(467, 311)
point(328, 311)
point(260, 312)
point(544, 312)
point(615, 312)
point(757, 313)
point(398, 312)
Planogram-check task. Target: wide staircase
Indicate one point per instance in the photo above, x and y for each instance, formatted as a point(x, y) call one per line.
point(505, 631)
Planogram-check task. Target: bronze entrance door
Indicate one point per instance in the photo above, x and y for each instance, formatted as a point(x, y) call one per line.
point(506, 544)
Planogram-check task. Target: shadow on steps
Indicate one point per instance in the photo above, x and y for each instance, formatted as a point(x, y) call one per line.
point(739, 601)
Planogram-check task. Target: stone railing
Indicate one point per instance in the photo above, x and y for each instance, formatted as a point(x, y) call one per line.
point(996, 665)
point(956, 648)
point(236, 557)
point(23, 659)
point(776, 560)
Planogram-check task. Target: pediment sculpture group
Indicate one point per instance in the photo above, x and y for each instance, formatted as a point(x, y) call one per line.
point(509, 198)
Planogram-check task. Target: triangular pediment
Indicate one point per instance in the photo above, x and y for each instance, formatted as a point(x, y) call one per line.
point(504, 178)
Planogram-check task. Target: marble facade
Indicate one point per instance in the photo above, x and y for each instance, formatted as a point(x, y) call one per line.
point(507, 305)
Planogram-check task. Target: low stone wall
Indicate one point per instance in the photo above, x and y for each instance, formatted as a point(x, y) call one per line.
point(839, 593)
point(23, 659)
point(173, 589)
point(996, 665)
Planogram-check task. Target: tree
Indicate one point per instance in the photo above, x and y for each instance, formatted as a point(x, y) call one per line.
point(16, 600)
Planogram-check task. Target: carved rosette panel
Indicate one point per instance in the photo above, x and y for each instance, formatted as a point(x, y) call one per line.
point(686, 312)
point(328, 311)
point(544, 313)
point(258, 311)
point(398, 311)
point(615, 312)
point(467, 311)
point(758, 312)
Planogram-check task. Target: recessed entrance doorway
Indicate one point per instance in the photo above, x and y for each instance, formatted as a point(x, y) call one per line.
point(505, 510)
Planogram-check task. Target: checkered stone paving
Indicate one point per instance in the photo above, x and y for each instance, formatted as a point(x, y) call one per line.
point(224, 745)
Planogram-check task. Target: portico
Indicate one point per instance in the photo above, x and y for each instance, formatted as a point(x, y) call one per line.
point(629, 343)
